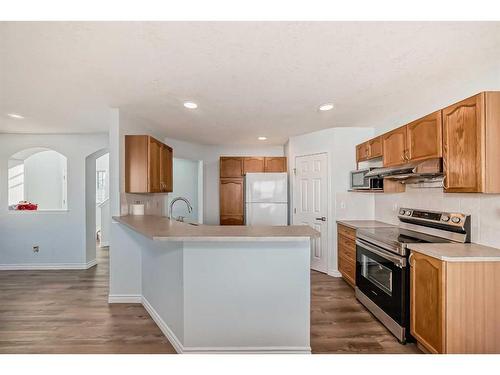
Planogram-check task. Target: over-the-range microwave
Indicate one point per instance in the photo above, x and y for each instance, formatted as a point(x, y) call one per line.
point(358, 181)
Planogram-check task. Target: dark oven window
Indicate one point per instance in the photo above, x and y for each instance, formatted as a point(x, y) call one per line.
point(377, 273)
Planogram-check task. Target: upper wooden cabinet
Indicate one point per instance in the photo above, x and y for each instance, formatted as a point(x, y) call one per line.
point(453, 305)
point(275, 164)
point(148, 165)
point(369, 150)
point(394, 147)
point(423, 138)
point(471, 138)
point(253, 164)
point(231, 166)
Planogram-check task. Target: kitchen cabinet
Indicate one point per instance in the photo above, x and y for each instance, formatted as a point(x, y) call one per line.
point(148, 165)
point(231, 201)
point(231, 180)
point(275, 164)
point(423, 138)
point(346, 251)
point(231, 166)
point(394, 147)
point(453, 305)
point(471, 135)
point(253, 164)
point(369, 150)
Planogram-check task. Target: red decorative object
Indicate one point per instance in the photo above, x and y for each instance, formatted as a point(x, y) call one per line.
point(27, 206)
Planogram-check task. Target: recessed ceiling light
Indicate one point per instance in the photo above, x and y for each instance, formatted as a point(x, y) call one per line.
point(190, 105)
point(262, 138)
point(325, 107)
point(14, 115)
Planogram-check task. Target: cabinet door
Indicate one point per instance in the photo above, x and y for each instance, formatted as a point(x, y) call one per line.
point(463, 128)
point(136, 163)
point(424, 138)
point(154, 165)
point(166, 169)
point(360, 153)
point(231, 167)
point(275, 164)
point(394, 147)
point(427, 301)
point(231, 197)
point(375, 147)
point(231, 220)
point(253, 165)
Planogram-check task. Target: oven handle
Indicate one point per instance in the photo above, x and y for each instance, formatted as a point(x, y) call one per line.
point(399, 261)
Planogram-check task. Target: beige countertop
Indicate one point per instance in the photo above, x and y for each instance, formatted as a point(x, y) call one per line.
point(357, 224)
point(161, 228)
point(458, 252)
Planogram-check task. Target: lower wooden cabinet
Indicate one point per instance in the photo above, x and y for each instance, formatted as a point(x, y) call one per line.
point(346, 249)
point(454, 305)
point(231, 201)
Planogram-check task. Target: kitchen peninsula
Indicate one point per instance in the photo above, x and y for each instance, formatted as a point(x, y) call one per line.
point(219, 289)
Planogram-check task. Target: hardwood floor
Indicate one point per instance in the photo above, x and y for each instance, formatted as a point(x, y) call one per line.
point(340, 324)
point(68, 312)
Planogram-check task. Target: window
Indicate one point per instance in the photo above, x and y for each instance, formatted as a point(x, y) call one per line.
point(38, 175)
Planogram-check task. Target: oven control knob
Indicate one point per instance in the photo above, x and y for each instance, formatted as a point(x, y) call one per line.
point(455, 219)
point(408, 213)
point(445, 218)
point(402, 212)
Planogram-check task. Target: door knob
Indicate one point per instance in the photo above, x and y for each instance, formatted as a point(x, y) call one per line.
point(322, 218)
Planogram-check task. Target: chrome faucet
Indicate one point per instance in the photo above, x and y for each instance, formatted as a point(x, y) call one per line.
point(190, 208)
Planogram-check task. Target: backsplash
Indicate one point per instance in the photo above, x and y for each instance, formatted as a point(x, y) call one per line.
point(154, 204)
point(483, 208)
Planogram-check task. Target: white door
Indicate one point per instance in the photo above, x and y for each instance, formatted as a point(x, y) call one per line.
point(311, 203)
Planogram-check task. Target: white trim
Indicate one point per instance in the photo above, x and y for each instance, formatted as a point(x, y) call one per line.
point(104, 244)
point(169, 334)
point(124, 298)
point(47, 266)
point(334, 273)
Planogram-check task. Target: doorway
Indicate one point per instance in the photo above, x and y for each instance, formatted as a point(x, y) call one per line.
point(311, 203)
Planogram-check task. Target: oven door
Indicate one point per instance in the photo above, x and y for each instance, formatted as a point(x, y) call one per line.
point(381, 276)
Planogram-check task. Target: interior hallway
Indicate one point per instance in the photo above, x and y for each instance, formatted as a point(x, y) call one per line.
point(68, 312)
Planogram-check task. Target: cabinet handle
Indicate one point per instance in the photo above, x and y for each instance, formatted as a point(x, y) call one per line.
point(407, 155)
point(445, 182)
point(410, 258)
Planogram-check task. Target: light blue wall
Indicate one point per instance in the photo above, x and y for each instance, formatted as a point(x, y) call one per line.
point(186, 185)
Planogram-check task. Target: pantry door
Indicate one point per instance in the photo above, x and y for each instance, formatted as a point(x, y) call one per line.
point(311, 203)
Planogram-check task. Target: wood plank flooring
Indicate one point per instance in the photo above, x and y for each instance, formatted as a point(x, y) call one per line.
point(68, 312)
point(340, 324)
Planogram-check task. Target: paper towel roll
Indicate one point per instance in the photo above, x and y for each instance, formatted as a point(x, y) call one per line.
point(137, 209)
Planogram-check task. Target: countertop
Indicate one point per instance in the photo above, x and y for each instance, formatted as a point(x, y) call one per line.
point(357, 224)
point(161, 228)
point(458, 252)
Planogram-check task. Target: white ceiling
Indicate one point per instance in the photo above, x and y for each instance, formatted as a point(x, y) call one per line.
point(249, 78)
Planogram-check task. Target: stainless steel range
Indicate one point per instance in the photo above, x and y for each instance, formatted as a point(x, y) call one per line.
point(382, 271)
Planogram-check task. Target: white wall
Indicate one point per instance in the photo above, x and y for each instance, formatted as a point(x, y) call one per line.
point(210, 155)
point(339, 143)
point(60, 235)
point(186, 185)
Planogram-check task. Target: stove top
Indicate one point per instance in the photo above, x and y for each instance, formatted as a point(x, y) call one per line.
point(396, 238)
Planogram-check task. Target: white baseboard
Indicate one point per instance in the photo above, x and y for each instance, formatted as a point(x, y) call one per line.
point(124, 298)
point(169, 334)
point(179, 348)
point(47, 266)
point(104, 244)
point(334, 273)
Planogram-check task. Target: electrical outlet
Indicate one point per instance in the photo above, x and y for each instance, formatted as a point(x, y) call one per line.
point(36, 249)
point(342, 205)
point(395, 207)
